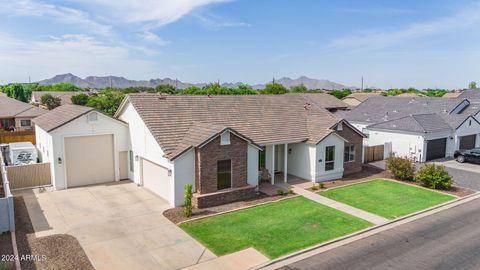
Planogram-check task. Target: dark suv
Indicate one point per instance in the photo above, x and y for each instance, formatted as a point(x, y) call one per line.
point(471, 155)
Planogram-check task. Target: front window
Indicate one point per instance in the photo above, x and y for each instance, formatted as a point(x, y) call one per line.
point(225, 138)
point(224, 174)
point(329, 158)
point(349, 153)
point(25, 123)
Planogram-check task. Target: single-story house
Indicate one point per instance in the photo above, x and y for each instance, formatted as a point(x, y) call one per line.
point(65, 96)
point(420, 128)
point(218, 144)
point(16, 115)
point(82, 145)
point(356, 99)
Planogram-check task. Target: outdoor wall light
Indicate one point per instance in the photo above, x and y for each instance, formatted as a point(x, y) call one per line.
point(59, 160)
point(320, 160)
point(169, 172)
point(136, 157)
point(451, 138)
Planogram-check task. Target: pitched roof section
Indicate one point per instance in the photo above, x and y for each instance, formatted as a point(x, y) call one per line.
point(470, 94)
point(420, 123)
point(10, 107)
point(376, 110)
point(60, 116)
point(65, 97)
point(362, 96)
point(324, 100)
point(178, 122)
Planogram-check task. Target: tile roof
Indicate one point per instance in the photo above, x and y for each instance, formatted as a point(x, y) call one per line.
point(324, 100)
point(10, 108)
point(363, 96)
point(419, 123)
point(178, 122)
point(60, 116)
point(470, 94)
point(66, 97)
point(452, 94)
point(382, 109)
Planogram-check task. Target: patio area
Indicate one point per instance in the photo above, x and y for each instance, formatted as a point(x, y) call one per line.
point(269, 189)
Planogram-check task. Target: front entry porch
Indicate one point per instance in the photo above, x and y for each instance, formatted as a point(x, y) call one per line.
point(279, 182)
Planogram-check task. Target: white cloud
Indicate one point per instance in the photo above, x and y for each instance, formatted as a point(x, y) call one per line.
point(32, 8)
point(377, 39)
point(152, 38)
point(80, 54)
point(216, 22)
point(155, 12)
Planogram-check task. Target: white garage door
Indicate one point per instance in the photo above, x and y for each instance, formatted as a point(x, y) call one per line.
point(89, 160)
point(156, 179)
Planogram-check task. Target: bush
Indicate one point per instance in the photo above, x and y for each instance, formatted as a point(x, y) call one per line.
point(314, 187)
point(434, 176)
point(322, 185)
point(50, 101)
point(280, 191)
point(80, 99)
point(290, 191)
point(187, 206)
point(401, 168)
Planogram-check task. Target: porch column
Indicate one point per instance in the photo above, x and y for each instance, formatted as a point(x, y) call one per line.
point(285, 163)
point(273, 165)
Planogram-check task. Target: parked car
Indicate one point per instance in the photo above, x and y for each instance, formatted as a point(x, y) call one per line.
point(471, 155)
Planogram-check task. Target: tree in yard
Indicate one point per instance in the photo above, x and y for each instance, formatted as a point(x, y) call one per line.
point(340, 93)
point(187, 205)
point(80, 99)
point(274, 88)
point(50, 101)
point(299, 89)
point(18, 91)
point(472, 85)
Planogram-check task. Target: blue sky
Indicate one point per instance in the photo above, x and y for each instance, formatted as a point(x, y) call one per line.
point(428, 43)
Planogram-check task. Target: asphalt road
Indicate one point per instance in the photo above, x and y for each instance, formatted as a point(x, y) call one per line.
point(447, 240)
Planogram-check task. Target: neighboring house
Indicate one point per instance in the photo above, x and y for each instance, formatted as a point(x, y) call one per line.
point(16, 115)
point(356, 99)
point(65, 97)
point(326, 101)
point(470, 94)
point(219, 143)
point(421, 128)
point(82, 145)
point(452, 94)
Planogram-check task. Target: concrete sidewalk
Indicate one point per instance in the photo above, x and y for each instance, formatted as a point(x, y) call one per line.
point(244, 259)
point(340, 206)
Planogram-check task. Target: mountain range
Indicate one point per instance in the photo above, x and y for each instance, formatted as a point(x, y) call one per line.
point(121, 82)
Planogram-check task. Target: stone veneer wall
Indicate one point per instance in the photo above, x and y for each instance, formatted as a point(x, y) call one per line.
point(223, 196)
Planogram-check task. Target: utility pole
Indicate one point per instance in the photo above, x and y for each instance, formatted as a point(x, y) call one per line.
point(111, 82)
point(362, 83)
point(29, 80)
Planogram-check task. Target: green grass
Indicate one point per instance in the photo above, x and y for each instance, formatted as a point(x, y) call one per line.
point(386, 198)
point(274, 229)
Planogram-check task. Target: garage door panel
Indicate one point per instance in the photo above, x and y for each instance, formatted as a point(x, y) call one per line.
point(467, 142)
point(156, 179)
point(436, 148)
point(89, 160)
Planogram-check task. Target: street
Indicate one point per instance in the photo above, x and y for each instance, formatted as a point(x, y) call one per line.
point(447, 240)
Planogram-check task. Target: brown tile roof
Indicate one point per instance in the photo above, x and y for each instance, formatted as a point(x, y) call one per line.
point(324, 100)
point(10, 108)
point(452, 94)
point(66, 97)
point(60, 116)
point(362, 96)
point(178, 122)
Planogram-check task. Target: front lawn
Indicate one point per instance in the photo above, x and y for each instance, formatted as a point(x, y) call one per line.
point(274, 229)
point(387, 198)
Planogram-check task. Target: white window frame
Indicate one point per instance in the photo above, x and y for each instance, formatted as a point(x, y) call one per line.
point(351, 153)
point(331, 161)
point(29, 123)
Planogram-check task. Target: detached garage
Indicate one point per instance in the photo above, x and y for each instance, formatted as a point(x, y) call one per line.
point(83, 146)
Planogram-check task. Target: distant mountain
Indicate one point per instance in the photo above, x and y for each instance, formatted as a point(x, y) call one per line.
point(121, 82)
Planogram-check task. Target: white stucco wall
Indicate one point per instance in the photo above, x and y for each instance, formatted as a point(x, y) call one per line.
point(301, 160)
point(54, 143)
point(337, 172)
point(252, 166)
point(403, 145)
point(183, 173)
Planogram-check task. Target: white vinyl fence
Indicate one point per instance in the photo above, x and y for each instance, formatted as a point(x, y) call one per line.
point(7, 217)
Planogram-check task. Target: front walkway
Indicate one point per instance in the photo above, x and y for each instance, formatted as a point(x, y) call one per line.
point(119, 225)
point(337, 205)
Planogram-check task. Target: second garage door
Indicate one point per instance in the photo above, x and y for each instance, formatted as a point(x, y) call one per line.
point(89, 160)
point(156, 179)
point(467, 142)
point(436, 148)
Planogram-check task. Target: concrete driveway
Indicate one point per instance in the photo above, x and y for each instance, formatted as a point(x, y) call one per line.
point(119, 225)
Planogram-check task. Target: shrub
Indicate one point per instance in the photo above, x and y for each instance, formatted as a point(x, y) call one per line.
point(280, 191)
point(434, 176)
point(80, 99)
point(50, 101)
point(187, 206)
point(401, 168)
point(290, 191)
point(322, 185)
point(314, 187)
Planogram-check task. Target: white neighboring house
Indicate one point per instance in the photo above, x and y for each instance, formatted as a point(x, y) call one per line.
point(420, 128)
point(83, 146)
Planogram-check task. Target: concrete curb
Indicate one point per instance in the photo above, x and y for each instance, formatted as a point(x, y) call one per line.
point(323, 247)
point(15, 250)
